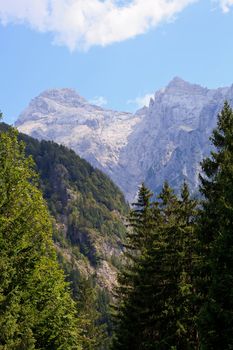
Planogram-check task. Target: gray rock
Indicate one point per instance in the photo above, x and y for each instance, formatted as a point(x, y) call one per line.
point(165, 141)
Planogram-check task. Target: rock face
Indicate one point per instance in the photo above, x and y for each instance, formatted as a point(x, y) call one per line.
point(173, 136)
point(165, 141)
point(96, 134)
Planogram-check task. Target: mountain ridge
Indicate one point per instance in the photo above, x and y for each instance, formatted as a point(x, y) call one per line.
point(164, 141)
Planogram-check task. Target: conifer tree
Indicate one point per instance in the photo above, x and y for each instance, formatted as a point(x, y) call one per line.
point(36, 310)
point(216, 239)
point(141, 221)
point(167, 274)
point(126, 319)
point(187, 336)
point(156, 311)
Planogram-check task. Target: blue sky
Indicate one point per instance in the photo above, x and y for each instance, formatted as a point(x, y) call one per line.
point(129, 52)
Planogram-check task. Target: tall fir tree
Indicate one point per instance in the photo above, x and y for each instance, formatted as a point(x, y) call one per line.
point(141, 224)
point(170, 319)
point(216, 239)
point(36, 309)
point(156, 311)
point(188, 260)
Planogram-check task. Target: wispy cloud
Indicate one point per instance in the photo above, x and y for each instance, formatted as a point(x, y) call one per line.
point(84, 23)
point(141, 101)
point(99, 101)
point(226, 4)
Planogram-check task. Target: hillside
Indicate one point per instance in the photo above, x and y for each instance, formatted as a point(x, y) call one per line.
point(88, 211)
point(87, 206)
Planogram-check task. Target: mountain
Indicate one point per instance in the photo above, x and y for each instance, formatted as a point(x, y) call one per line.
point(87, 207)
point(173, 136)
point(166, 140)
point(96, 134)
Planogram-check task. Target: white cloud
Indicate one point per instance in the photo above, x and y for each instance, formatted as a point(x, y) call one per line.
point(99, 101)
point(141, 101)
point(226, 4)
point(84, 23)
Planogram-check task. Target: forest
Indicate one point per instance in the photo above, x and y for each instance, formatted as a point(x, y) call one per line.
point(173, 253)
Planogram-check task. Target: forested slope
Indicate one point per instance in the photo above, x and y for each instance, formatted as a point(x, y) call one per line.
point(88, 211)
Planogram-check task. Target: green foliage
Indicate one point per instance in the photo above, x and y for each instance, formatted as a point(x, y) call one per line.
point(216, 239)
point(125, 312)
point(80, 197)
point(87, 209)
point(36, 309)
point(93, 330)
point(93, 311)
point(156, 292)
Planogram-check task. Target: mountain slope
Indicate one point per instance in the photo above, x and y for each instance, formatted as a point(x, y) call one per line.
point(167, 140)
point(87, 207)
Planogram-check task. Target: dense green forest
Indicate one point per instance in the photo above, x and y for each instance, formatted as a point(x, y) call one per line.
point(175, 278)
point(87, 212)
point(36, 308)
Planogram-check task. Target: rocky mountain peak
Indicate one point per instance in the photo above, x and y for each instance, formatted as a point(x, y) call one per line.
point(96, 134)
point(178, 85)
point(177, 81)
point(165, 141)
point(64, 96)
